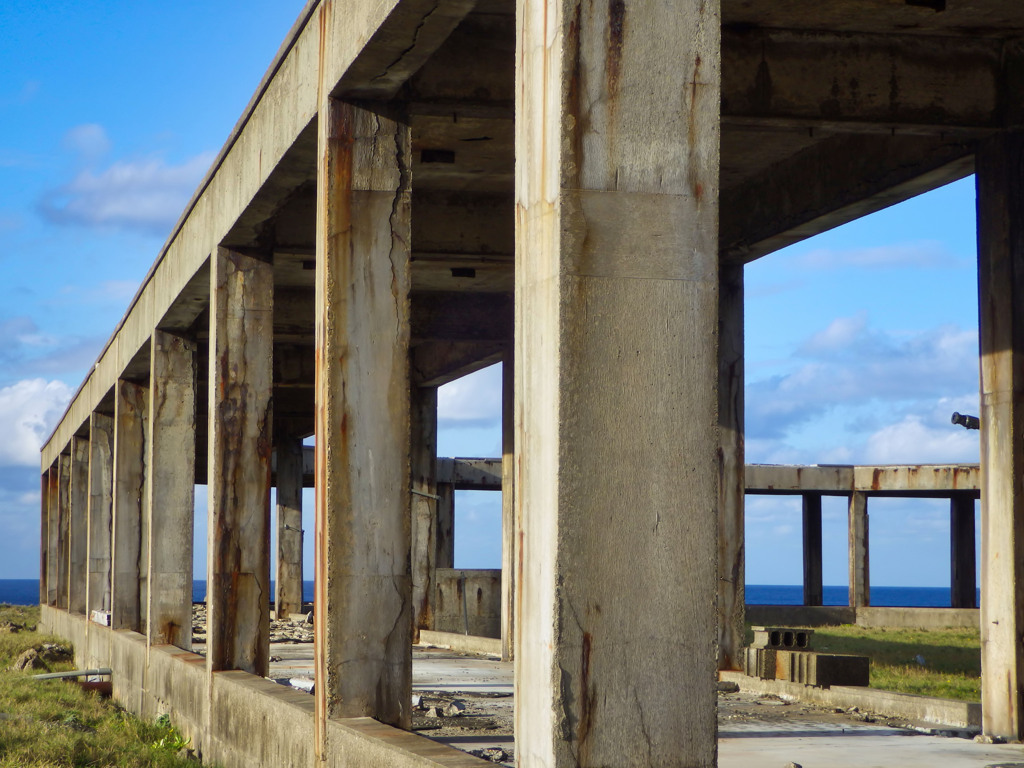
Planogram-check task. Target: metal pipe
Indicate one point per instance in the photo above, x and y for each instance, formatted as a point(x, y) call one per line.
point(965, 421)
point(73, 673)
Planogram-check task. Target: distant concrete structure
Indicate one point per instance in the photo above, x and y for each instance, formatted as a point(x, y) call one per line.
point(417, 190)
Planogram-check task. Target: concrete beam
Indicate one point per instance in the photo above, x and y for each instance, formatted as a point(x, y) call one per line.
point(618, 381)
point(471, 474)
point(131, 427)
point(787, 479)
point(831, 183)
point(912, 480)
point(423, 502)
point(439, 362)
point(963, 590)
point(363, 582)
point(288, 582)
point(859, 562)
point(1000, 186)
point(240, 445)
point(921, 84)
point(170, 490)
point(78, 526)
point(731, 582)
point(811, 508)
point(100, 513)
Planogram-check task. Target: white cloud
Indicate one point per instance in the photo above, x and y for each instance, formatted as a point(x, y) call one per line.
point(147, 194)
point(928, 254)
point(472, 401)
point(912, 441)
point(88, 140)
point(28, 411)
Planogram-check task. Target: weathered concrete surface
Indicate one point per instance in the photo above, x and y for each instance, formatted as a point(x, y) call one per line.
point(53, 532)
point(924, 480)
point(100, 512)
point(78, 525)
point(170, 489)
point(619, 382)
point(509, 524)
point(1000, 162)
point(857, 539)
point(44, 536)
point(731, 532)
point(468, 601)
point(487, 646)
point(240, 445)
point(363, 583)
point(63, 529)
point(288, 580)
point(423, 502)
point(131, 417)
point(962, 567)
point(811, 508)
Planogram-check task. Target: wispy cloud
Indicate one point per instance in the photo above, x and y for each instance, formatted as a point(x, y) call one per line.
point(146, 194)
point(28, 411)
point(927, 254)
point(472, 401)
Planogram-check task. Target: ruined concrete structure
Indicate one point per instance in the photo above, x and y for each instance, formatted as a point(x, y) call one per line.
point(419, 188)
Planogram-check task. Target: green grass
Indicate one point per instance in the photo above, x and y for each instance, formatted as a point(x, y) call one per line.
point(46, 724)
point(952, 658)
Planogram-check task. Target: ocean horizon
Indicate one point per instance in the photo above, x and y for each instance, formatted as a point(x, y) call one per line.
point(26, 592)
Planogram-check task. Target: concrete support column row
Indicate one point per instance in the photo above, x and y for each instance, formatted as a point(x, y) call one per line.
point(616, 320)
point(364, 607)
point(131, 427)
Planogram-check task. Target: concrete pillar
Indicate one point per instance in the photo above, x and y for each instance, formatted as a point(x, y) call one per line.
point(508, 507)
point(444, 534)
point(813, 590)
point(1000, 195)
point(53, 531)
point(860, 566)
point(363, 582)
point(240, 431)
point(44, 538)
point(423, 501)
point(63, 529)
point(101, 497)
point(171, 459)
point(78, 525)
point(288, 579)
point(731, 487)
point(617, 120)
point(131, 417)
point(962, 566)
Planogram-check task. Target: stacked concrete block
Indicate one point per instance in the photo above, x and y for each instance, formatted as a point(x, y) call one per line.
point(771, 657)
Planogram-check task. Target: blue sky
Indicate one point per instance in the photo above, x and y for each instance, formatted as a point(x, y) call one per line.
point(860, 342)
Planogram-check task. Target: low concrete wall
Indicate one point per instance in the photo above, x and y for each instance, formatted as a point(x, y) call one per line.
point(468, 602)
point(959, 714)
point(833, 615)
point(487, 646)
point(235, 719)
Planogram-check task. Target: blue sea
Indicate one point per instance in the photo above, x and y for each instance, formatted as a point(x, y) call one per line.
point(26, 592)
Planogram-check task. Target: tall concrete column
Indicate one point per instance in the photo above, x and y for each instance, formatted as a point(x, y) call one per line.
point(508, 506)
point(101, 497)
point(963, 592)
point(363, 583)
point(63, 529)
point(171, 459)
point(240, 431)
point(617, 122)
point(78, 525)
point(44, 538)
point(859, 561)
point(731, 486)
point(813, 589)
point(444, 534)
point(423, 501)
point(288, 581)
point(1000, 195)
point(53, 531)
point(131, 417)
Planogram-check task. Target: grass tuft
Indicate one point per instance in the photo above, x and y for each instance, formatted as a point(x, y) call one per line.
point(55, 724)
